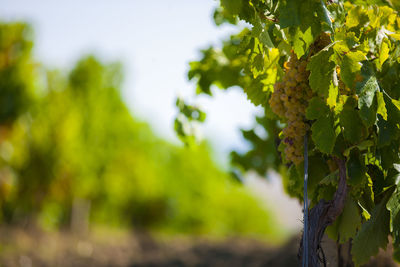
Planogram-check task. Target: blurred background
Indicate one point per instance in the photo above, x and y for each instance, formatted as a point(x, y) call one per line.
point(91, 170)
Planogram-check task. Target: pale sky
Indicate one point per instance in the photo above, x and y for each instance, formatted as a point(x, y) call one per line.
point(154, 40)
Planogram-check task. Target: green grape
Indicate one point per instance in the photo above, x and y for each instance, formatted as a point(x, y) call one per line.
point(289, 101)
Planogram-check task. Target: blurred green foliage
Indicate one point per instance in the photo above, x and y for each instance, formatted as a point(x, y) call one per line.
point(15, 70)
point(69, 136)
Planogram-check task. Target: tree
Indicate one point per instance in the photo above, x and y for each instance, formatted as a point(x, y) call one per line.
point(71, 153)
point(326, 74)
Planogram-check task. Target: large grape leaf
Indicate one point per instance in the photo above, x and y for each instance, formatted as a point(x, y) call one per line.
point(261, 32)
point(346, 225)
point(332, 95)
point(340, 145)
point(383, 53)
point(361, 146)
point(350, 121)
point(317, 170)
point(345, 41)
point(301, 40)
point(330, 179)
point(303, 22)
point(373, 233)
point(388, 130)
point(389, 154)
point(294, 185)
point(316, 108)
point(289, 13)
point(356, 169)
point(356, 17)
point(366, 96)
point(322, 130)
point(302, 13)
point(323, 133)
point(321, 67)
point(381, 105)
point(394, 109)
point(255, 92)
point(349, 66)
point(258, 65)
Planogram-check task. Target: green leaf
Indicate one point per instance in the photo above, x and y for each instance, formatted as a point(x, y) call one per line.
point(317, 170)
point(356, 168)
point(381, 105)
point(396, 106)
point(265, 39)
point(345, 41)
point(349, 66)
point(316, 108)
point(350, 121)
point(383, 53)
point(295, 183)
point(323, 133)
point(324, 15)
point(298, 13)
point(332, 95)
point(356, 17)
point(366, 95)
point(342, 99)
point(255, 92)
point(365, 213)
point(340, 145)
point(346, 225)
point(321, 67)
point(380, 183)
point(232, 6)
point(302, 40)
point(389, 154)
point(361, 146)
point(388, 129)
point(289, 13)
point(258, 62)
point(393, 206)
point(261, 33)
point(330, 179)
point(373, 233)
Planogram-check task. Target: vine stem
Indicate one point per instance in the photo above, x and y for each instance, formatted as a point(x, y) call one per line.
point(322, 215)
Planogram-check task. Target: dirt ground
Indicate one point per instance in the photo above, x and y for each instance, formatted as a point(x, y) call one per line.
point(26, 248)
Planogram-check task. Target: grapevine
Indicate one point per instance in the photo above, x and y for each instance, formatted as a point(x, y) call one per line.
point(327, 70)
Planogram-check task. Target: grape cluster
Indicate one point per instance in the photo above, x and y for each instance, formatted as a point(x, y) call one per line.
point(289, 101)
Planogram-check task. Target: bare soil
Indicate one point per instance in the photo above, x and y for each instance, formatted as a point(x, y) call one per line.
point(26, 248)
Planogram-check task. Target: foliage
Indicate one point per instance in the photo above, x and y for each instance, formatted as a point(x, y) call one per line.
point(354, 113)
point(74, 140)
point(16, 69)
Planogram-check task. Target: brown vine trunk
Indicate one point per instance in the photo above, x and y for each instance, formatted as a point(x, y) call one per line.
point(322, 215)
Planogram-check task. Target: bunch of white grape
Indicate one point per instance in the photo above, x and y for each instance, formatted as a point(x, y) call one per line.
point(289, 101)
